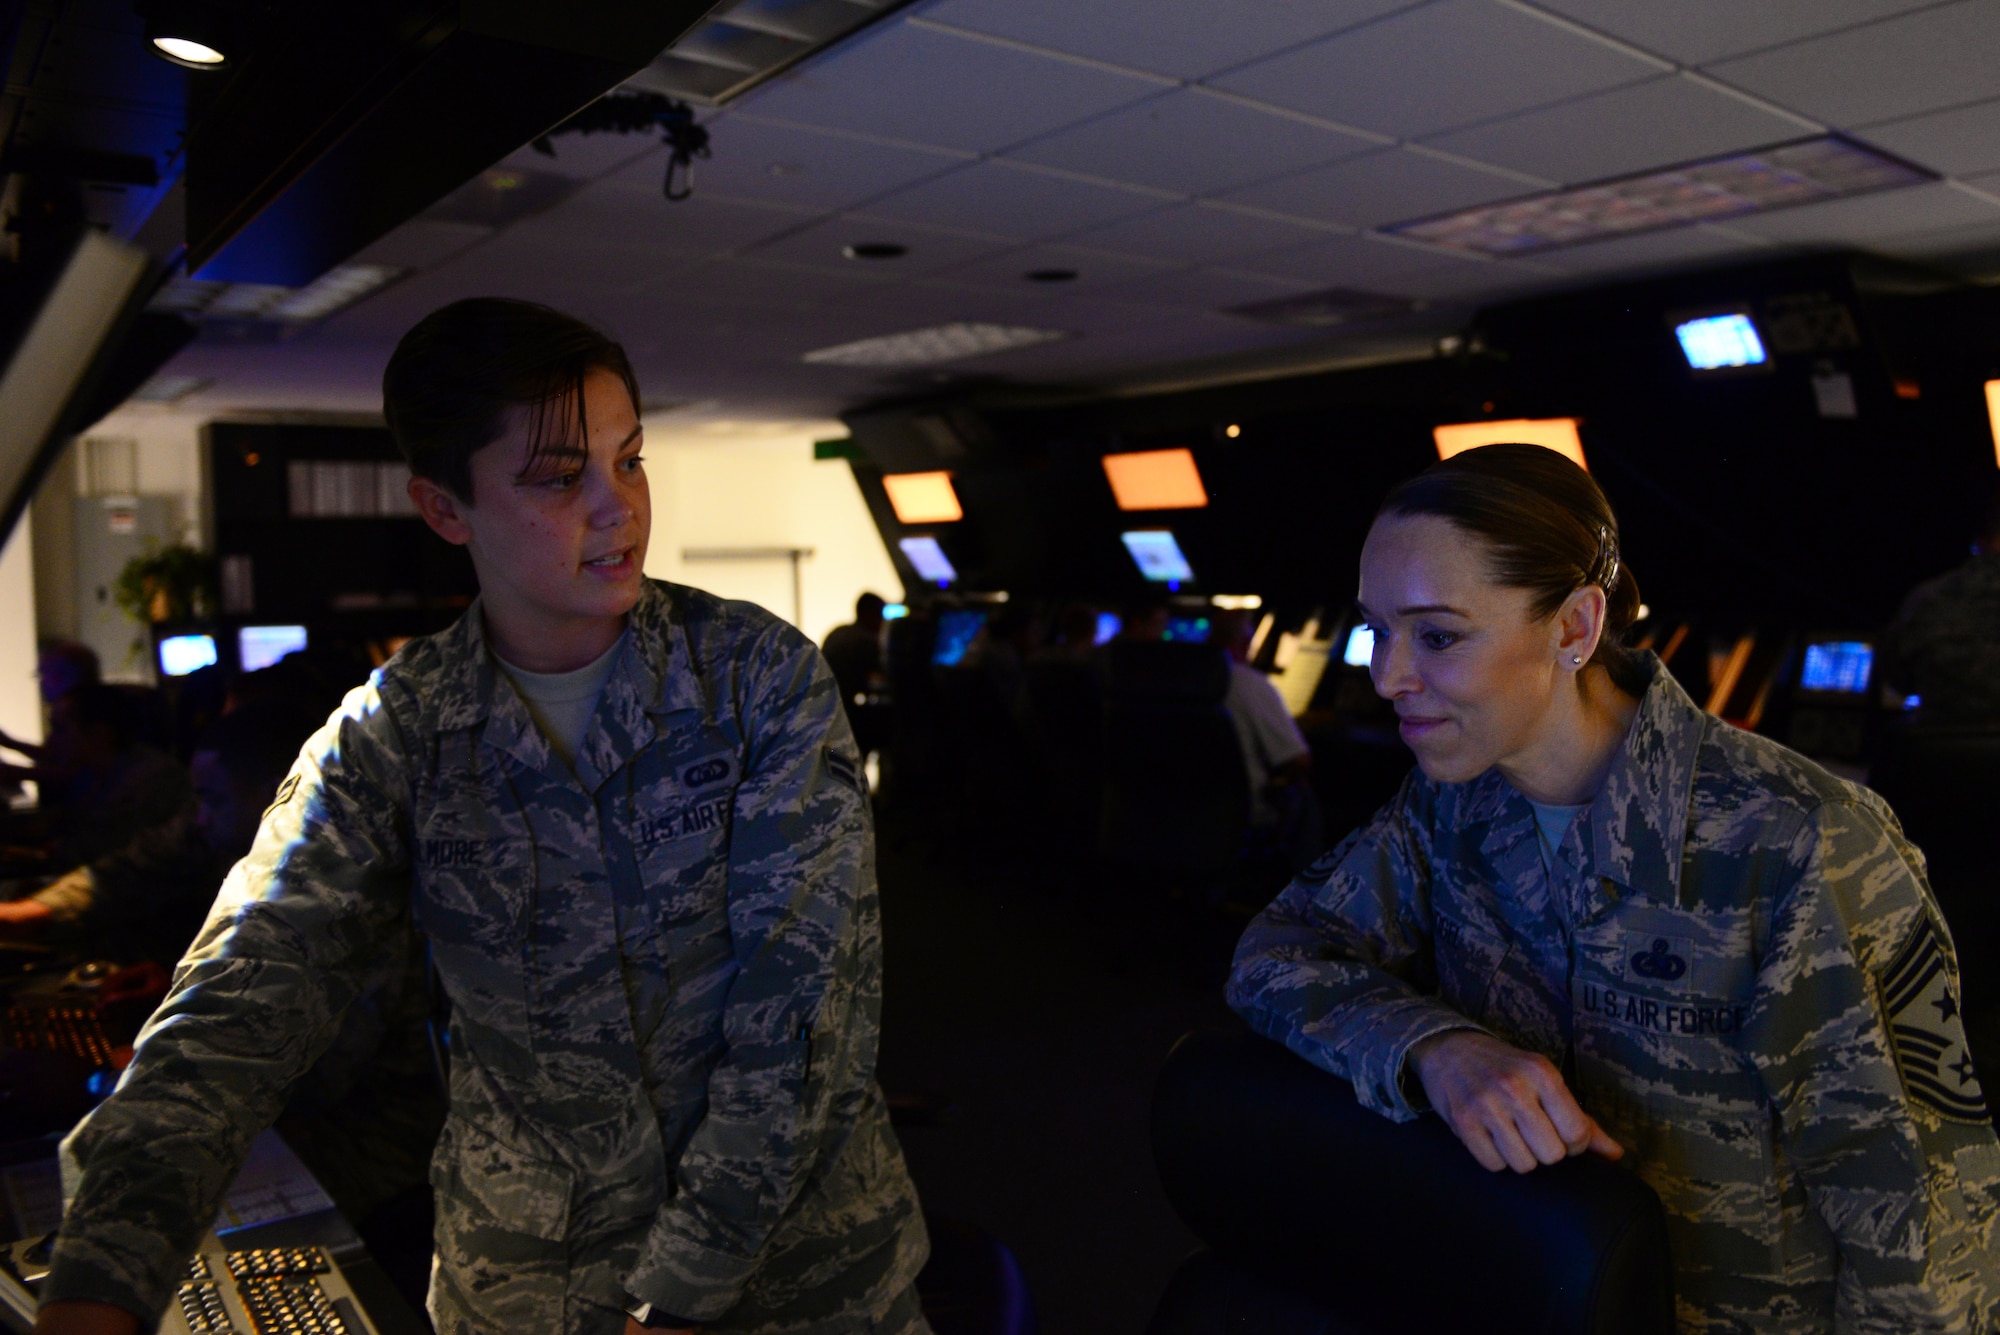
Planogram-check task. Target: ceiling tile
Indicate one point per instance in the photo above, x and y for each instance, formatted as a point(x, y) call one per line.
point(626, 208)
point(1012, 201)
point(1441, 66)
point(1197, 234)
point(739, 281)
point(923, 86)
point(1192, 142)
point(793, 164)
point(1365, 262)
point(583, 157)
point(1919, 62)
point(1694, 32)
point(1095, 270)
point(1684, 246)
point(1655, 124)
point(421, 243)
point(1871, 218)
point(1956, 142)
point(1394, 185)
point(822, 245)
point(1184, 38)
point(1211, 289)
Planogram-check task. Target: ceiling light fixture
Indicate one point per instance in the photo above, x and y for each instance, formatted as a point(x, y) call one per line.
point(331, 291)
point(927, 347)
point(744, 42)
point(190, 33)
point(1806, 171)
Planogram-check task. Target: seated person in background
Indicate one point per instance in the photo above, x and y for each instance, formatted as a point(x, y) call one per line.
point(1144, 619)
point(61, 667)
point(147, 900)
point(854, 652)
point(1274, 750)
point(100, 787)
point(1944, 645)
point(1598, 920)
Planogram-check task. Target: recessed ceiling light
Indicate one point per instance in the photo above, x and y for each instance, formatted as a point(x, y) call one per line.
point(193, 34)
point(169, 388)
point(927, 347)
point(1806, 171)
point(336, 288)
point(875, 250)
point(1050, 275)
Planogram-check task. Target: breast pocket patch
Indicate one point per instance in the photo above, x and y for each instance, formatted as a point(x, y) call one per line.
point(1927, 1030)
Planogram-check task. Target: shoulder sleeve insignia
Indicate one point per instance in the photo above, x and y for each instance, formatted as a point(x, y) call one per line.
point(1927, 1030)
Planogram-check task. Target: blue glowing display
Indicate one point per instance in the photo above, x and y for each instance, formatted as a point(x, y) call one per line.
point(1837, 665)
point(956, 631)
point(260, 646)
point(1158, 556)
point(1716, 342)
point(182, 654)
point(1360, 649)
point(929, 559)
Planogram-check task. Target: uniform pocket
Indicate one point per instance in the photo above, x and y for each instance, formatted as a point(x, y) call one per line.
point(490, 1183)
point(1468, 960)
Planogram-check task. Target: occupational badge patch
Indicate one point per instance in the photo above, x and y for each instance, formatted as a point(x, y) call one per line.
point(1927, 1030)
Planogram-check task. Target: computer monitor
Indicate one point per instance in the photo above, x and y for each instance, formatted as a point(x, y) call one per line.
point(895, 611)
point(1360, 649)
point(1724, 341)
point(182, 654)
point(929, 559)
point(955, 632)
point(257, 647)
point(1108, 626)
point(1839, 666)
point(1188, 629)
point(1158, 556)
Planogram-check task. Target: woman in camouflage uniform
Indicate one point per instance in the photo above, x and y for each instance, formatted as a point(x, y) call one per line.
point(629, 820)
point(1599, 920)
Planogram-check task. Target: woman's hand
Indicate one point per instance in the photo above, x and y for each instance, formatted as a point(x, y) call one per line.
point(85, 1319)
point(1509, 1107)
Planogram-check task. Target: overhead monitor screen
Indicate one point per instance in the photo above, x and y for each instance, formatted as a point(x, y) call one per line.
point(1553, 433)
point(1187, 630)
point(1360, 650)
point(923, 498)
point(1720, 342)
point(1838, 665)
point(1155, 480)
point(929, 559)
point(258, 647)
point(956, 631)
point(1158, 556)
point(182, 654)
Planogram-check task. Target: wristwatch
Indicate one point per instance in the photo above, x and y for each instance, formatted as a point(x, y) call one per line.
point(652, 1318)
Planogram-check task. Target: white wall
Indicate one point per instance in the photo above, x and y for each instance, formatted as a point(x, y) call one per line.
point(730, 484)
point(20, 699)
point(169, 453)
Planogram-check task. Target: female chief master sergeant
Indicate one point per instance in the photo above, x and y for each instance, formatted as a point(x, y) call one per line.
point(1599, 919)
point(663, 958)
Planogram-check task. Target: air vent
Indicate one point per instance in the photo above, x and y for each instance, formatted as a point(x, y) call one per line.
point(1320, 310)
point(741, 44)
point(1808, 171)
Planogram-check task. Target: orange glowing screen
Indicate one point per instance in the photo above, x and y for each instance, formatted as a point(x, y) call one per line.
point(922, 498)
point(1555, 433)
point(1156, 480)
point(1993, 414)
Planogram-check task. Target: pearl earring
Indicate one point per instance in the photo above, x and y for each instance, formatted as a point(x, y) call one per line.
point(1576, 660)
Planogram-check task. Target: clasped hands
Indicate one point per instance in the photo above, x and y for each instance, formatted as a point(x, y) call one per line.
point(1509, 1107)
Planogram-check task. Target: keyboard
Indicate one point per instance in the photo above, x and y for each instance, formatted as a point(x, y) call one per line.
point(264, 1291)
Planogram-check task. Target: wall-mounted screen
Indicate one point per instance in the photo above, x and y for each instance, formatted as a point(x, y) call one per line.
point(1726, 341)
point(956, 631)
point(1158, 556)
point(1360, 648)
point(258, 647)
point(1837, 665)
point(929, 559)
point(182, 654)
point(1188, 630)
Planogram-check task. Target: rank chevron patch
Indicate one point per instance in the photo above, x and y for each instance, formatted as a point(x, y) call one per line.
point(1927, 1030)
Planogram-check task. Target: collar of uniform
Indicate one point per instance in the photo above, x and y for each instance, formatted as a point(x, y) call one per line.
point(654, 675)
point(1638, 821)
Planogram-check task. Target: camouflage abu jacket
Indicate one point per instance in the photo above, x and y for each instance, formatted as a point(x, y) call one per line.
point(665, 977)
point(1738, 967)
